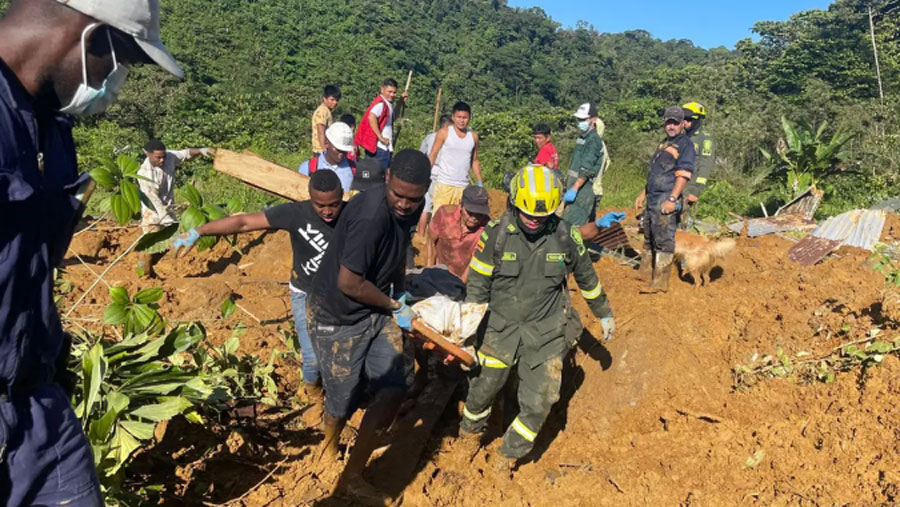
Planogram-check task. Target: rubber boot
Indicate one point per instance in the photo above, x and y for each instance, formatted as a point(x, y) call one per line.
point(144, 265)
point(332, 428)
point(661, 272)
point(645, 271)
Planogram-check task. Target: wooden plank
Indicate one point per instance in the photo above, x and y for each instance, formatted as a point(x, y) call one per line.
point(267, 176)
point(422, 330)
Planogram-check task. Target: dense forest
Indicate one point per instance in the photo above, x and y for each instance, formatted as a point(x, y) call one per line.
point(255, 71)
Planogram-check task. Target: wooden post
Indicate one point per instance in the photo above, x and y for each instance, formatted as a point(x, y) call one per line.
point(437, 110)
point(401, 109)
point(875, 52)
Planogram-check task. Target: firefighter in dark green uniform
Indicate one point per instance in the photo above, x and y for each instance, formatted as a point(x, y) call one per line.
point(587, 160)
point(520, 268)
point(705, 150)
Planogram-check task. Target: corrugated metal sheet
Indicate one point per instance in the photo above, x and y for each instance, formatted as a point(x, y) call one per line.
point(857, 228)
point(805, 204)
point(771, 225)
point(612, 237)
point(811, 250)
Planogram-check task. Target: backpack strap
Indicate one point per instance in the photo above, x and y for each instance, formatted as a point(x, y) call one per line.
point(313, 165)
point(352, 166)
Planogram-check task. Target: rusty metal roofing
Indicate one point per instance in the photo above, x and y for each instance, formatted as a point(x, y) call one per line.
point(771, 225)
point(857, 228)
point(612, 237)
point(811, 250)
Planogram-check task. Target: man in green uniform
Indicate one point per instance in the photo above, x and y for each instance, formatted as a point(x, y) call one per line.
point(704, 147)
point(520, 268)
point(587, 159)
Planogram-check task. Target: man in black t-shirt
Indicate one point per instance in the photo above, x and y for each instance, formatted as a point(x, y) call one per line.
point(352, 305)
point(311, 226)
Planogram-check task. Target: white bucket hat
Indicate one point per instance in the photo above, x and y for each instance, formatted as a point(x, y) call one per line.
point(137, 18)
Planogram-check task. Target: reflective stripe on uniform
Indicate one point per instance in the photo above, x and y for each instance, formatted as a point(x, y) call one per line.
point(593, 293)
point(520, 428)
point(681, 173)
point(701, 180)
point(476, 417)
point(480, 267)
point(490, 362)
point(671, 150)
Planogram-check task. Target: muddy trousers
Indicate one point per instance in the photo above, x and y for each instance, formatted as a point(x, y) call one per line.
point(538, 390)
point(659, 229)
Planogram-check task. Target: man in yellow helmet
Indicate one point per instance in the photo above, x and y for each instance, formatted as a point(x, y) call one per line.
point(520, 268)
point(704, 148)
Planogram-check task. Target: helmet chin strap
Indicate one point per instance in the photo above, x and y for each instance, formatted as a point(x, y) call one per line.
point(695, 125)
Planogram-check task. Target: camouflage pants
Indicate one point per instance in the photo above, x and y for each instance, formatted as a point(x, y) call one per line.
point(539, 387)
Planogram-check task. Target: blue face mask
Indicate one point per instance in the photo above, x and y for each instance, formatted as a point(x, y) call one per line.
point(88, 100)
point(584, 125)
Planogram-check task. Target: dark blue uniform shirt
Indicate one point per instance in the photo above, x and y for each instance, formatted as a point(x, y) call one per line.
point(38, 180)
point(673, 158)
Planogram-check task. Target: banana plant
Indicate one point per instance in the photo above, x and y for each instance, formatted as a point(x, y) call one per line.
point(120, 177)
point(136, 314)
point(199, 213)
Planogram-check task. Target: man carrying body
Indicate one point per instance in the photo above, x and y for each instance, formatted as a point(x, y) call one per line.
point(704, 149)
point(455, 151)
point(586, 163)
point(376, 128)
point(455, 230)
point(311, 226)
point(520, 269)
point(670, 170)
point(321, 118)
point(354, 296)
point(338, 142)
point(546, 155)
point(56, 59)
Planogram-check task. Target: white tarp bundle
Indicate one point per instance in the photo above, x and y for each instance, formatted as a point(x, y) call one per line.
point(456, 321)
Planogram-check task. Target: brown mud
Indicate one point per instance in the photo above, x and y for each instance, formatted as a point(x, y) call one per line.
point(650, 418)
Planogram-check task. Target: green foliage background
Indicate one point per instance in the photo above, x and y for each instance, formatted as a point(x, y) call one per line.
point(255, 71)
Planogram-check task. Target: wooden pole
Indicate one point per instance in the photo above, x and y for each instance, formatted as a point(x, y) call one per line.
point(875, 52)
point(437, 110)
point(401, 110)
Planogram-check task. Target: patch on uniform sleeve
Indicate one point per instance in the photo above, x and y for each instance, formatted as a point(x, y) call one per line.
point(492, 223)
point(707, 148)
point(479, 247)
point(511, 228)
point(556, 257)
point(579, 241)
point(484, 236)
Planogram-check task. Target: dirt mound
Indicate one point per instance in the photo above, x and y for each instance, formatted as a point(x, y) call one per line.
point(650, 418)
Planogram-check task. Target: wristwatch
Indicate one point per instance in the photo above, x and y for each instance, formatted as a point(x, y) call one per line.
point(672, 198)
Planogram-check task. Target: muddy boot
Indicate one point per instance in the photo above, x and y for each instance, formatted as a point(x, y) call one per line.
point(645, 271)
point(144, 265)
point(503, 466)
point(661, 274)
point(329, 447)
point(314, 395)
point(469, 443)
point(357, 488)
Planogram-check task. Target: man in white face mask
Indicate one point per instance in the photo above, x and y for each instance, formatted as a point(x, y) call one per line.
point(584, 167)
point(56, 57)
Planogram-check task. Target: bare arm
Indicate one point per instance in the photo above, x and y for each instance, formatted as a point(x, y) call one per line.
point(357, 287)
point(476, 165)
point(320, 132)
point(639, 202)
point(234, 225)
point(373, 123)
point(438, 143)
point(589, 231)
point(579, 183)
point(430, 249)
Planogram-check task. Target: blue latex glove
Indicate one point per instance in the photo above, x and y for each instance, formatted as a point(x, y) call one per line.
point(480, 184)
point(570, 195)
point(404, 315)
point(186, 240)
point(609, 325)
point(610, 218)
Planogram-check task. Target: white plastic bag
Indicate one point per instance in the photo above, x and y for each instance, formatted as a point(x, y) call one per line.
point(455, 321)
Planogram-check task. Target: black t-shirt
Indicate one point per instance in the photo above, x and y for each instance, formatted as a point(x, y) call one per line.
point(369, 241)
point(310, 236)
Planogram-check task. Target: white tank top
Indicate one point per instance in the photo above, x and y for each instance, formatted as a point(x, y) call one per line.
point(455, 159)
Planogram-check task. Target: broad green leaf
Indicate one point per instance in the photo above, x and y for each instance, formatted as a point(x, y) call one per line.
point(131, 194)
point(157, 241)
point(148, 295)
point(192, 196)
point(120, 209)
point(101, 429)
point(93, 367)
point(206, 242)
point(213, 212)
point(128, 165)
point(115, 314)
point(123, 444)
point(234, 205)
point(163, 411)
point(228, 307)
point(139, 430)
point(231, 345)
point(194, 417)
point(119, 295)
point(103, 178)
point(192, 218)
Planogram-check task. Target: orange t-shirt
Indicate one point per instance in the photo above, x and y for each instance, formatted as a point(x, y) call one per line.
point(455, 243)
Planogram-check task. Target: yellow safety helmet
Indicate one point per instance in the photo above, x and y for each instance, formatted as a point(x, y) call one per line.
point(536, 190)
point(696, 108)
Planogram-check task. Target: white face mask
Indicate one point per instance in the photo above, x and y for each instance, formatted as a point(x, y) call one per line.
point(87, 100)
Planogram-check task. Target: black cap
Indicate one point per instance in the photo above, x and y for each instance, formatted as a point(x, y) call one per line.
point(369, 173)
point(475, 200)
point(673, 113)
